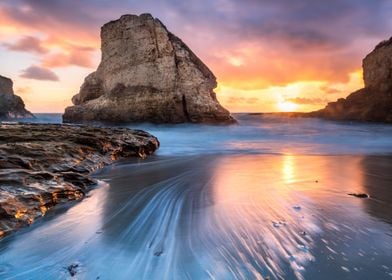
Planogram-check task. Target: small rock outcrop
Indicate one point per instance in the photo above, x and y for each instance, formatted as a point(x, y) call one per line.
point(374, 102)
point(11, 105)
point(42, 165)
point(146, 74)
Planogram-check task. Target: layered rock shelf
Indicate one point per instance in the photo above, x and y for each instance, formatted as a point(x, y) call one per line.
point(42, 165)
point(146, 74)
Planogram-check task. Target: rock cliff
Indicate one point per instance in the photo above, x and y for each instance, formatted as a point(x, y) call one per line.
point(11, 105)
point(42, 165)
point(374, 102)
point(146, 74)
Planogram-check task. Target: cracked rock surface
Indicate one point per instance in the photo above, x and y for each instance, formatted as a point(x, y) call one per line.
point(42, 165)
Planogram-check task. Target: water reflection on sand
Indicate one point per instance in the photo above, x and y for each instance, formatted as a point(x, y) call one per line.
point(219, 217)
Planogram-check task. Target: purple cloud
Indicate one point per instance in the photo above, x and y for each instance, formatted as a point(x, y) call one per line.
point(39, 73)
point(27, 44)
point(326, 37)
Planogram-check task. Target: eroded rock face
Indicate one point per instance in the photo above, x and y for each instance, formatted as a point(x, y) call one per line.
point(146, 74)
point(11, 105)
point(42, 165)
point(374, 102)
point(377, 68)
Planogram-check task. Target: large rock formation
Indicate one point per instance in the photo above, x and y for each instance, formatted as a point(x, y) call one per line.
point(374, 102)
point(11, 105)
point(42, 165)
point(146, 74)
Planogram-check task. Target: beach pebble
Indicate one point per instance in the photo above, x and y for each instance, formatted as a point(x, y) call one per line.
point(359, 195)
point(158, 253)
point(73, 269)
point(278, 224)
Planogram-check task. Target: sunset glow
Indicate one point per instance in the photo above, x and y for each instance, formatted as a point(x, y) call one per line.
point(287, 106)
point(294, 64)
point(197, 139)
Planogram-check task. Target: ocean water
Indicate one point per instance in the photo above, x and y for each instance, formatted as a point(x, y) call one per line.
point(266, 134)
point(267, 198)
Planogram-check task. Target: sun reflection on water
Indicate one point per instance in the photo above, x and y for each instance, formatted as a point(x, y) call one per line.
point(288, 168)
point(266, 222)
point(217, 217)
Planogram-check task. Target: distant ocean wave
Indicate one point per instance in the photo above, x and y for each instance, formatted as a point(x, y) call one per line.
point(266, 134)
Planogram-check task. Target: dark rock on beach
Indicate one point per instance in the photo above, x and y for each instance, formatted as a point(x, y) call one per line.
point(11, 105)
point(73, 269)
point(146, 74)
point(372, 103)
point(44, 165)
point(359, 195)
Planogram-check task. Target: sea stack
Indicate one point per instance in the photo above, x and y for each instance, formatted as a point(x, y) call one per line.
point(11, 105)
point(146, 74)
point(374, 102)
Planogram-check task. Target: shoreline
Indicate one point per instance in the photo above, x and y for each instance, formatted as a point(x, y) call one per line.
point(170, 214)
point(42, 165)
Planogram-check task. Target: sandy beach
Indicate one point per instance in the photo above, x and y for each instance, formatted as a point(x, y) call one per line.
point(219, 217)
point(196, 140)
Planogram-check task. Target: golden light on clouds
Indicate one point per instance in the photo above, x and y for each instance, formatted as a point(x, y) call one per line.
point(287, 106)
point(236, 61)
point(301, 96)
point(260, 66)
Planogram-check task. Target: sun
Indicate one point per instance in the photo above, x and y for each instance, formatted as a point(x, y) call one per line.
point(287, 106)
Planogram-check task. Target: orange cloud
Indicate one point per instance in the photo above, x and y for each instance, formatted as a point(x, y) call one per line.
point(309, 101)
point(27, 44)
point(63, 54)
point(58, 45)
point(70, 54)
point(257, 65)
point(262, 57)
point(19, 20)
point(297, 96)
point(242, 99)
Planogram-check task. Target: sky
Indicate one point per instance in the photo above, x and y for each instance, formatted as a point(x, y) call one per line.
point(268, 55)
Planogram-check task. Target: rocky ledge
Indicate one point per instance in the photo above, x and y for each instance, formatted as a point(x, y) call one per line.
point(372, 103)
point(11, 105)
point(42, 165)
point(146, 74)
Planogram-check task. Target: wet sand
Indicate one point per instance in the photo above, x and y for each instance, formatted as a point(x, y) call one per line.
point(218, 217)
